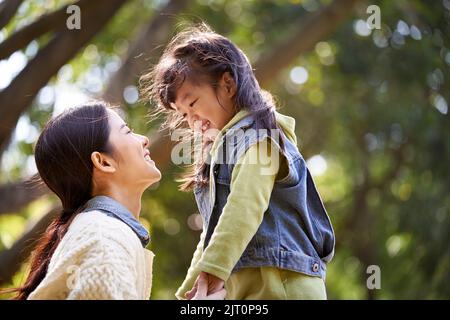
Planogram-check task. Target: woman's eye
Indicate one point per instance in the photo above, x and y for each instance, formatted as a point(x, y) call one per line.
point(130, 131)
point(184, 115)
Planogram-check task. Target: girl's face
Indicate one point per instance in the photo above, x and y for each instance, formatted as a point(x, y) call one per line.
point(205, 107)
point(131, 165)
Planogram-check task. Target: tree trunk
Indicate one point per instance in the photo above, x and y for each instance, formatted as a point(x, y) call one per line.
point(7, 10)
point(20, 93)
point(55, 21)
point(12, 258)
point(14, 196)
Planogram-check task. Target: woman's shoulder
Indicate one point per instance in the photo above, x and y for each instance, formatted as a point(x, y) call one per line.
point(96, 248)
point(93, 228)
point(103, 225)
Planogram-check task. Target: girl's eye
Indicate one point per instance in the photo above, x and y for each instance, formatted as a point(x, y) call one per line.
point(130, 131)
point(184, 115)
point(192, 103)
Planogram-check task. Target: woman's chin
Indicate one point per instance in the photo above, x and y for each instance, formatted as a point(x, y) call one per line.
point(153, 176)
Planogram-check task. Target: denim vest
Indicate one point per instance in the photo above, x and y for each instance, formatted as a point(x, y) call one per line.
point(116, 210)
point(296, 233)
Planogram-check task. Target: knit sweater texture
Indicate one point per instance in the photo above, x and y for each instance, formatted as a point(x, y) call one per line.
point(99, 258)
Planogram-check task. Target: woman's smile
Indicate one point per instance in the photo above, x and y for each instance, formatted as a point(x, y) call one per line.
point(147, 157)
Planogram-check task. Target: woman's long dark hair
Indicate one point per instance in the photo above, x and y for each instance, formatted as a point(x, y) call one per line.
point(63, 159)
point(200, 55)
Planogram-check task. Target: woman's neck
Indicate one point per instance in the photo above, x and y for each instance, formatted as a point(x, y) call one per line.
point(129, 199)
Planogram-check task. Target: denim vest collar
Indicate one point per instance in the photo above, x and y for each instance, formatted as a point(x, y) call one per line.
point(116, 210)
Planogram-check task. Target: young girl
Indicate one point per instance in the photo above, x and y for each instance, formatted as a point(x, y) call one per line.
point(95, 249)
point(266, 234)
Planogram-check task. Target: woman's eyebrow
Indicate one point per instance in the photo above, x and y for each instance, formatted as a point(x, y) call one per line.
point(123, 126)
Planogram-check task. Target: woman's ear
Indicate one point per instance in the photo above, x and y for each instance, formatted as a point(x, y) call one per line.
point(229, 84)
point(102, 162)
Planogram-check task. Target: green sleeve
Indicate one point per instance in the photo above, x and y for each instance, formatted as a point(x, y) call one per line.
point(193, 272)
point(250, 189)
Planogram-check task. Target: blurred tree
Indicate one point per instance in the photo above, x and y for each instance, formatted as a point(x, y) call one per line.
point(143, 48)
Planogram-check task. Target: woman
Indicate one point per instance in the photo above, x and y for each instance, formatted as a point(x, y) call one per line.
point(95, 249)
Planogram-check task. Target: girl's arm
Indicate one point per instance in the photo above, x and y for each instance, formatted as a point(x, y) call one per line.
point(243, 213)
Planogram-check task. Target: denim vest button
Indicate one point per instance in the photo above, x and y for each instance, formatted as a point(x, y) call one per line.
point(315, 267)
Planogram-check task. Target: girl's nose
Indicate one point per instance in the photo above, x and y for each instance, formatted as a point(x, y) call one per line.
point(193, 119)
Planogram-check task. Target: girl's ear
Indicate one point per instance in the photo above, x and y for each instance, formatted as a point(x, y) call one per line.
point(102, 162)
point(229, 84)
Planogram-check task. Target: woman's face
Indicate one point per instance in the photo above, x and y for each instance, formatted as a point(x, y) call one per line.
point(131, 158)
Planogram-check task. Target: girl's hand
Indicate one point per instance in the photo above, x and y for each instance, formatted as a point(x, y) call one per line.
point(207, 287)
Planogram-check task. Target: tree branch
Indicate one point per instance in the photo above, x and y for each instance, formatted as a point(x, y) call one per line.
point(11, 259)
point(20, 93)
point(7, 10)
point(14, 196)
point(147, 46)
point(310, 30)
point(53, 21)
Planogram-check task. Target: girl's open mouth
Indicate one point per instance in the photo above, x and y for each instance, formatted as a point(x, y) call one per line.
point(206, 125)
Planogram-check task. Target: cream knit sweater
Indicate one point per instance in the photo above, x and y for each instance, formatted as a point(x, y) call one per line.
point(99, 257)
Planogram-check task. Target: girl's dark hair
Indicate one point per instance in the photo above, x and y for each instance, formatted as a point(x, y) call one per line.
point(63, 159)
point(200, 55)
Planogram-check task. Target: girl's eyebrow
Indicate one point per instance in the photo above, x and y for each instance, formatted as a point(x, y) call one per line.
point(187, 95)
point(123, 126)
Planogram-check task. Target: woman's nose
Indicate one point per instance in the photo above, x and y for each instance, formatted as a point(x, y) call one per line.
point(145, 141)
